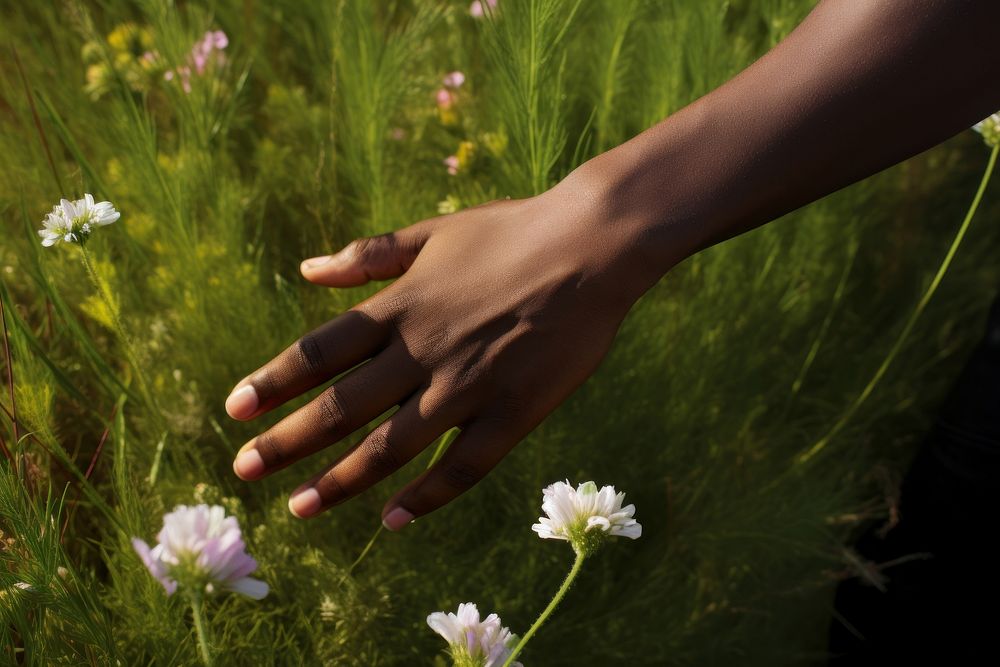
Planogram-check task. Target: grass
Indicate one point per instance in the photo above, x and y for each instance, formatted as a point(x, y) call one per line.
point(320, 125)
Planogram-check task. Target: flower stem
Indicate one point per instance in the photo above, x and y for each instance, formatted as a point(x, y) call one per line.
point(445, 441)
point(364, 552)
point(560, 594)
point(123, 336)
point(911, 322)
point(200, 628)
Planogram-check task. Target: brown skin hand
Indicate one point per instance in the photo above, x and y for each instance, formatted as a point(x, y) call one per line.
point(499, 312)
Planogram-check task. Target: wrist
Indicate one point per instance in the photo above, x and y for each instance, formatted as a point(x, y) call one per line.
point(640, 208)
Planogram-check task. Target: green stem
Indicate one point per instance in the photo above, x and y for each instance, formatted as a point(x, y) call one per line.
point(123, 336)
point(200, 628)
point(364, 552)
point(914, 316)
point(445, 441)
point(560, 594)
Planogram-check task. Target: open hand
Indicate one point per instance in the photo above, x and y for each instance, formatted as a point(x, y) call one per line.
point(499, 312)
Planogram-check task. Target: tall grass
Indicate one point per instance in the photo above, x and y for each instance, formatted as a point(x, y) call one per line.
point(319, 125)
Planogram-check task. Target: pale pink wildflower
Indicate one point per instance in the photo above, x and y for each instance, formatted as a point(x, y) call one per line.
point(205, 52)
point(478, 8)
point(485, 641)
point(445, 98)
point(203, 546)
point(454, 79)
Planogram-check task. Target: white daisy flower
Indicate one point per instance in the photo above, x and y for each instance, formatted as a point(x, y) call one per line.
point(990, 129)
point(585, 516)
point(474, 642)
point(73, 221)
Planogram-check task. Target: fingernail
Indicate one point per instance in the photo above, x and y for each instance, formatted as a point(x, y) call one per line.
point(242, 402)
point(305, 503)
point(397, 518)
point(316, 261)
point(248, 463)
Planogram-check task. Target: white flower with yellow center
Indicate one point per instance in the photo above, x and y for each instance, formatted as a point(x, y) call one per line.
point(585, 516)
point(73, 221)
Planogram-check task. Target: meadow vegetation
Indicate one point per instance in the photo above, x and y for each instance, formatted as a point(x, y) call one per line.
point(318, 122)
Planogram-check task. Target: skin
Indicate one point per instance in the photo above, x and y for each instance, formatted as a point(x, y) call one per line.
point(499, 312)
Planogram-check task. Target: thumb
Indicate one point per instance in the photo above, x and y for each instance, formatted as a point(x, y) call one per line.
point(369, 258)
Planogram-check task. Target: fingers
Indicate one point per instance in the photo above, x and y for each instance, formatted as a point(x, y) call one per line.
point(372, 258)
point(333, 348)
point(474, 453)
point(387, 448)
point(348, 405)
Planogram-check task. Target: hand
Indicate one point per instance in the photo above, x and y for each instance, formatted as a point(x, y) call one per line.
point(499, 313)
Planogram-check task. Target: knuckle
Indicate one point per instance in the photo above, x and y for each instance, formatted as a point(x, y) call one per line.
point(332, 490)
point(513, 404)
point(397, 304)
point(333, 409)
point(309, 354)
point(435, 339)
point(265, 382)
point(382, 457)
point(365, 247)
point(455, 376)
point(268, 448)
point(390, 306)
point(436, 402)
point(460, 475)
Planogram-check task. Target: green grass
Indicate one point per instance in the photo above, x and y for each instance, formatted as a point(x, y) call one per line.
point(321, 126)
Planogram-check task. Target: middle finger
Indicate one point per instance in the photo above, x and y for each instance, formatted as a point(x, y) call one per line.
point(353, 401)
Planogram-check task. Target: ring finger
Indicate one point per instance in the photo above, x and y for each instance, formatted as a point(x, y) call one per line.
point(391, 445)
point(352, 402)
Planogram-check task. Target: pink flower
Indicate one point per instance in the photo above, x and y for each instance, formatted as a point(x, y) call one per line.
point(454, 79)
point(201, 544)
point(445, 98)
point(203, 49)
point(219, 39)
point(452, 163)
point(478, 11)
point(204, 52)
point(184, 73)
point(485, 641)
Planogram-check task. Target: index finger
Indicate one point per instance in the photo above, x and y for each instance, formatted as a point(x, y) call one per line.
point(334, 347)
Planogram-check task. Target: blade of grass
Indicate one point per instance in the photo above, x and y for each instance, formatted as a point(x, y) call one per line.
point(443, 444)
point(36, 346)
point(10, 379)
point(37, 121)
point(90, 469)
point(70, 143)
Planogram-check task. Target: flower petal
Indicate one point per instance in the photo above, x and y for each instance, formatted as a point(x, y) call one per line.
point(254, 589)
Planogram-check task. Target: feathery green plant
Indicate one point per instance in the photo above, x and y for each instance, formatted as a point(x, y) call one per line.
point(317, 123)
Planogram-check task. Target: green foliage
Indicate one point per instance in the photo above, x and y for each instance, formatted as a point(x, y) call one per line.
point(320, 124)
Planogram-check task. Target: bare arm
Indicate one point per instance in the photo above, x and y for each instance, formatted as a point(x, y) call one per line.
point(499, 312)
point(859, 86)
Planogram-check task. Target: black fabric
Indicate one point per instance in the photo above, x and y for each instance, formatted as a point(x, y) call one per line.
point(942, 603)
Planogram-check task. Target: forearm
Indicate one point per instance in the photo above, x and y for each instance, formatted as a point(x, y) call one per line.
point(859, 86)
